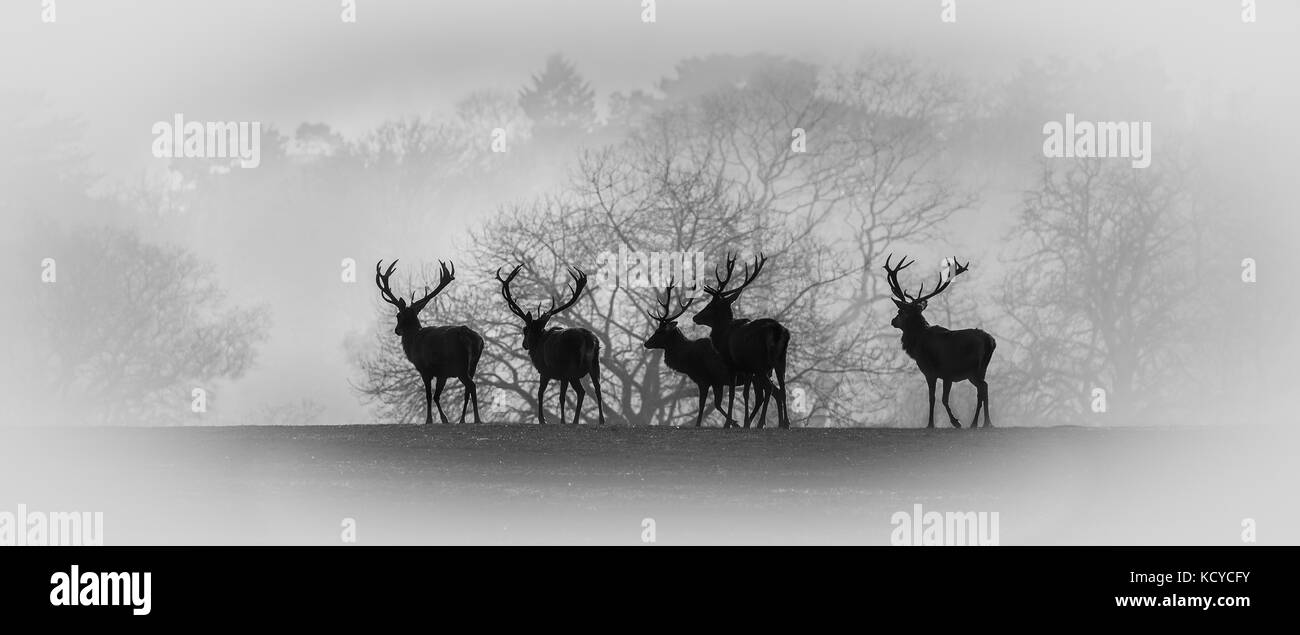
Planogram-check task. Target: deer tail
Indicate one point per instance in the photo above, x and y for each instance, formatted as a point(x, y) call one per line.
point(988, 354)
point(475, 352)
point(778, 342)
point(782, 345)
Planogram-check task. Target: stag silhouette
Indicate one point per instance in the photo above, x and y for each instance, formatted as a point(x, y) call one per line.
point(563, 354)
point(940, 353)
point(754, 348)
point(437, 352)
point(697, 359)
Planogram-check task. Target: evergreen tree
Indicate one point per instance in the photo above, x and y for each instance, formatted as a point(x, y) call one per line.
point(559, 101)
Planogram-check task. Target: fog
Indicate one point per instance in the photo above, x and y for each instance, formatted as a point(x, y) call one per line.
point(117, 67)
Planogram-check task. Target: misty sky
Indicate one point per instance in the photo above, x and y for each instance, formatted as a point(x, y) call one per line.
point(120, 65)
point(123, 65)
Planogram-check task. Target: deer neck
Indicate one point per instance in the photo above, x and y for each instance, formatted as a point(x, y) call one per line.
point(674, 349)
point(721, 328)
point(913, 333)
point(410, 338)
point(537, 352)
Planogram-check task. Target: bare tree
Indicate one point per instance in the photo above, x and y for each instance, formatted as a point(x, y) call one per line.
point(717, 174)
point(1098, 298)
point(130, 328)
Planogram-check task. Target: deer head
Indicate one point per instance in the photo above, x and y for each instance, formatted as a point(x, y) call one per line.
point(408, 314)
point(534, 327)
point(666, 330)
point(911, 306)
point(718, 311)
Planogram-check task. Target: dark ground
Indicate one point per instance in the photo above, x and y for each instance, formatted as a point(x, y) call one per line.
point(530, 484)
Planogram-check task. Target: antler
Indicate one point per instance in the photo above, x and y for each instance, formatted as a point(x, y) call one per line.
point(749, 277)
point(505, 290)
point(386, 291)
point(578, 276)
point(721, 288)
point(667, 315)
point(575, 292)
point(943, 282)
point(891, 274)
point(722, 282)
point(445, 276)
point(921, 296)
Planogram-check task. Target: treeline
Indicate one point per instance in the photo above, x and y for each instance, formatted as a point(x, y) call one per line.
point(1094, 275)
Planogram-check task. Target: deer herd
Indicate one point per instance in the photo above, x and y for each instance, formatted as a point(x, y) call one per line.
point(739, 352)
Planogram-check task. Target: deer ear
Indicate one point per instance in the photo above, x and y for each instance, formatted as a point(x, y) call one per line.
point(899, 304)
point(922, 305)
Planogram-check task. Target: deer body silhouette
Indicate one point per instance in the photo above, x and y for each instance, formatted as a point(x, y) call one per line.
point(939, 353)
point(563, 354)
point(437, 352)
point(753, 348)
point(697, 359)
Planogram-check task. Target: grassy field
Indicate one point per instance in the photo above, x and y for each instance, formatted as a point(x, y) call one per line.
point(525, 484)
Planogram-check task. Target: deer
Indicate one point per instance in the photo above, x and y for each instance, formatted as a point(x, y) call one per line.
point(952, 356)
point(437, 352)
point(563, 354)
point(754, 348)
point(695, 358)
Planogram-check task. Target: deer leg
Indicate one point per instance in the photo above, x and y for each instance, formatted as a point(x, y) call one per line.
point(979, 401)
point(952, 418)
point(581, 393)
point(464, 402)
point(770, 394)
point(930, 381)
point(731, 404)
point(717, 403)
point(595, 385)
point(750, 413)
point(704, 398)
point(428, 400)
point(472, 386)
point(541, 392)
point(746, 387)
point(564, 394)
point(437, 398)
point(984, 396)
point(783, 409)
point(761, 395)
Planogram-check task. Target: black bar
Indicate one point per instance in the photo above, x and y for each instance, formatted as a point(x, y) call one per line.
point(405, 582)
